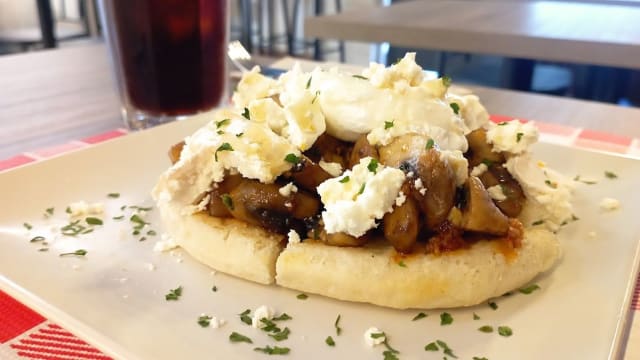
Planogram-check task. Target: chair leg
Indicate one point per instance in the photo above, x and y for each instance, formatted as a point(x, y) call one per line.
point(287, 26)
point(247, 19)
point(343, 57)
point(317, 44)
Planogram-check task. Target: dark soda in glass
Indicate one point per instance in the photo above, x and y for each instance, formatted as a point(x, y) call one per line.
point(172, 53)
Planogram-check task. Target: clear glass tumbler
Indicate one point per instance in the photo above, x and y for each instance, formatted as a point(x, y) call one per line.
point(169, 57)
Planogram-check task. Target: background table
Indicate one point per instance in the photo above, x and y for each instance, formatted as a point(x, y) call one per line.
point(54, 96)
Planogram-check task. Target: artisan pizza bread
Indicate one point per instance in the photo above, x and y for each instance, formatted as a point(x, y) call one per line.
point(374, 273)
point(225, 244)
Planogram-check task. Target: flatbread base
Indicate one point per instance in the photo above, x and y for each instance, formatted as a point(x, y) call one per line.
point(374, 273)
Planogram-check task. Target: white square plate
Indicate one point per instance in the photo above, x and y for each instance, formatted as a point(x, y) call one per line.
point(112, 299)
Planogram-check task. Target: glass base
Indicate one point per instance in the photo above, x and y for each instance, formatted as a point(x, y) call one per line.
point(139, 120)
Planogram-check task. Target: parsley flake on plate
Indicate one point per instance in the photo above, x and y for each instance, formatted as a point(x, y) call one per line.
point(113, 195)
point(281, 335)
point(27, 226)
point(204, 320)
point(79, 252)
point(529, 289)
point(302, 296)
point(493, 305)
point(337, 326)
point(420, 315)
point(237, 337)
point(610, 175)
point(245, 318)
point(174, 294)
point(476, 317)
point(446, 319)
point(486, 329)
point(329, 341)
point(93, 221)
point(273, 350)
point(505, 331)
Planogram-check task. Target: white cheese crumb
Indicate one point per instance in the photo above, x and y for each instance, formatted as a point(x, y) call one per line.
point(353, 206)
point(479, 170)
point(418, 184)
point(165, 244)
point(150, 266)
point(334, 169)
point(496, 193)
point(288, 189)
point(216, 323)
point(263, 312)
point(81, 208)
point(293, 236)
point(401, 199)
point(512, 136)
point(609, 204)
point(370, 340)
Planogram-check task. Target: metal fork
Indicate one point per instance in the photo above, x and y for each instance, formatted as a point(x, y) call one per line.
point(238, 54)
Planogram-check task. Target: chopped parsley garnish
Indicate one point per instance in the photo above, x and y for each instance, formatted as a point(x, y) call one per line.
point(486, 329)
point(302, 296)
point(537, 222)
point(224, 147)
point(49, 212)
point(430, 144)
point(245, 318)
point(493, 305)
point(27, 226)
point(445, 348)
point(139, 223)
point(479, 358)
point(502, 123)
point(315, 97)
point(113, 195)
point(508, 293)
point(281, 335)
point(227, 201)
point(43, 249)
point(282, 317)
point(432, 346)
point(174, 294)
point(344, 179)
point(151, 233)
point(37, 239)
point(67, 210)
point(246, 114)
point(529, 289)
point(505, 331)
point(402, 264)
point(361, 189)
point(360, 77)
point(337, 326)
point(269, 326)
point(93, 221)
point(390, 353)
point(519, 136)
point(588, 182)
point(373, 165)
point(388, 124)
point(445, 318)
point(610, 175)
point(446, 80)
point(273, 350)
point(455, 107)
point(236, 337)
point(329, 341)
point(420, 315)
point(239, 134)
point(476, 317)
point(551, 184)
point(79, 252)
point(73, 228)
point(204, 320)
point(222, 123)
point(118, 217)
point(377, 335)
point(292, 158)
point(309, 82)
point(214, 288)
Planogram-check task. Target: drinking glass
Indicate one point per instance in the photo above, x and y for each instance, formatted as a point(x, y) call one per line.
point(169, 57)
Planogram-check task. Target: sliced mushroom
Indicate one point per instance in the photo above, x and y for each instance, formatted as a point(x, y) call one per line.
point(217, 206)
point(263, 205)
point(342, 239)
point(438, 178)
point(498, 175)
point(330, 149)
point(401, 226)
point(403, 149)
point(480, 213)
point(361, 149)
point(481, 151)
point(308, 174)
point(174, 152)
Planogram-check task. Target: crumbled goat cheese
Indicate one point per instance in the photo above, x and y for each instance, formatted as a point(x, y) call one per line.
point(262, 312)
point(334, 169)
point(81, 208)
point(166, 243)
point(288, 189)
point(512, 136)
point(479, 169)
point(373, 341)
point(293, 237)
point(609, 204)
point(354, 206)
point(496, 193)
